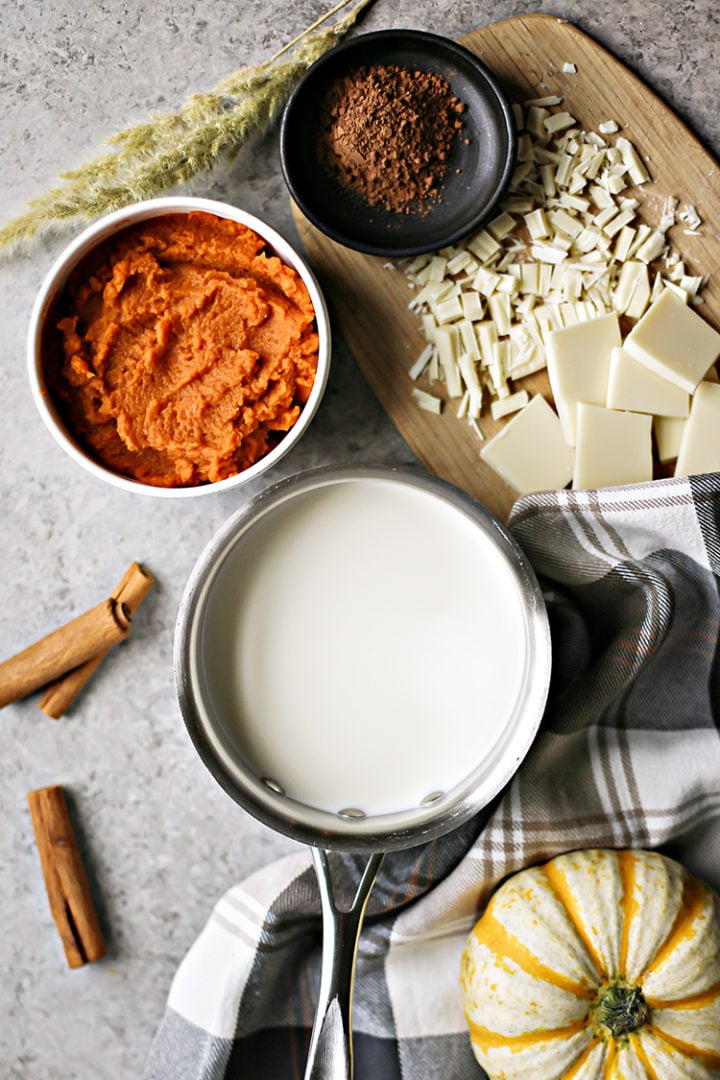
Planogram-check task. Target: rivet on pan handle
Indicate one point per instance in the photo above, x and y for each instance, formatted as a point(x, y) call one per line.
point(330, 1056)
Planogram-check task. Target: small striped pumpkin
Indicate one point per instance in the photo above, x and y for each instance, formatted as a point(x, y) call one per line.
point(600, 965)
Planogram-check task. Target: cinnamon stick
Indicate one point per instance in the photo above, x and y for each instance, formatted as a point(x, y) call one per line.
point(130, 591)
point(66, 882)
point(65, 648)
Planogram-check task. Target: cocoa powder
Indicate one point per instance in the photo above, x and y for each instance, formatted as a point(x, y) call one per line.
point(387, 132)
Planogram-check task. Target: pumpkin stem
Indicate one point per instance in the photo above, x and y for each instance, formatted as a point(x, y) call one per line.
point(622, 1009)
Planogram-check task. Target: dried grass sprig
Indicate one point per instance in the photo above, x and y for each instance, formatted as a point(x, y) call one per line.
point(171, 148)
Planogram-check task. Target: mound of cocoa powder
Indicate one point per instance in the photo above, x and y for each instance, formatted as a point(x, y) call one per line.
point(387, 132)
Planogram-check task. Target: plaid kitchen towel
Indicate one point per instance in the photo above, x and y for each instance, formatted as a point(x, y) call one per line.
point(628, 755)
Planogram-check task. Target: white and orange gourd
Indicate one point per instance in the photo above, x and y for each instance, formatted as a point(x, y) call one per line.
point(600, 965)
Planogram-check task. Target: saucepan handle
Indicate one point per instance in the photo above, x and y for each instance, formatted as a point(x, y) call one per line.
point(330, 1056)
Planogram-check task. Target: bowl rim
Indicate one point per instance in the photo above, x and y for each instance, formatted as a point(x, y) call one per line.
point(449, 44)
point(112, 223)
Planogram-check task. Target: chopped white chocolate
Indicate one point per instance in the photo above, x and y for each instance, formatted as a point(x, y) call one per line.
point(476, 428)
point(472, 305)
point(558, 122)
point(499, 305)
point(632, 293)
point(530, 452)
point(453, 382)
point(437, 268)
point(501, 226)
point(615, 184)
point(562, 252)
point(631, 158)
point(538, 225)
point(483, 245)
point(548, 253)
point(421, 363)
point(566, 223)
point(569, 68)
point(447, 310)
point(619, 222)
point(668, 431)
point(470, 378)
point(468, 339)
point(429, 327)
point(674, 341)
point(690, 216)
point(427, 401)
point(635, 388)
point(487, 338)
point(652, 248)
point(612, 447)
point(550, 99)
point(506, 406)
point(579, 366)
point(460, 262)
point(700, 446)
point(446, 341)
point(623, 244)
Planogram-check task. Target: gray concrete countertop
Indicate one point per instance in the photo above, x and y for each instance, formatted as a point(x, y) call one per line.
point(161, 841)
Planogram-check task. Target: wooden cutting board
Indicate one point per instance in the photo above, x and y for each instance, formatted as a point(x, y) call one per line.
point(370, 301)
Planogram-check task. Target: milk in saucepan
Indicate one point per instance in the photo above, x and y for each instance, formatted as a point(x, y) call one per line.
point(365, 644)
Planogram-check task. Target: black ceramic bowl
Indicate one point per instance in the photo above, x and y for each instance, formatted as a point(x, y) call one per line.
point(480, 166)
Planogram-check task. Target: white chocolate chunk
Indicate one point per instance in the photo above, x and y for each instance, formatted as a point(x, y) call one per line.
point(558, 122)
point(579, 366)
point(427, 401)
point(530, 452)
point(632, 159)
point(472, 305)
point(652, 247)
point(551, 99)
point(700, 446)
point(468, 338)
point(674, 341)
point(508, 405)
point(668, 432)
point(537, 224)
point(421, 363)
point(633, 288)
point(447, 310)
point(501, 226)
point(612, 447)
point(635, 388)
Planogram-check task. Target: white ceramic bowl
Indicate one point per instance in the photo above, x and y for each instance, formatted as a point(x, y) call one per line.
point(56, 279)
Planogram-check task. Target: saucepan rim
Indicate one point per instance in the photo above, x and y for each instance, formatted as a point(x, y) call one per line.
point(386, 832)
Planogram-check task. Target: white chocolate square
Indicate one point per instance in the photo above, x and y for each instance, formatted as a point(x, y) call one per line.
point(579, 367)
point(635, 388)
point(700, 445)
point(612, 447)
point(668, 432)
point(529, 452)
point(674, 341)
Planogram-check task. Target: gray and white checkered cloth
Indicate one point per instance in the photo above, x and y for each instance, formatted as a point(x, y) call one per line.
point(628, 755)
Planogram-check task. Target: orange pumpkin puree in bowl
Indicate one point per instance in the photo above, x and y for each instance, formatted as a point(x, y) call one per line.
point(183, 350)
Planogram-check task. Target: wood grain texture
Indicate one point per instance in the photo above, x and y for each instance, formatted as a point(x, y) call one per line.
point(369, 301)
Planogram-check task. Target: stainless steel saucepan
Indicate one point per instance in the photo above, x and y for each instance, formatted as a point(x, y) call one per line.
point(264, 796)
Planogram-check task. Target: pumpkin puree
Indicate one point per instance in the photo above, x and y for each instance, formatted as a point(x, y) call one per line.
point(187, 350)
